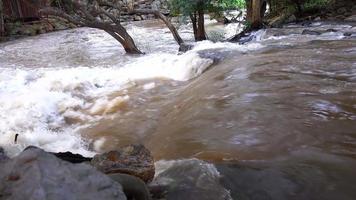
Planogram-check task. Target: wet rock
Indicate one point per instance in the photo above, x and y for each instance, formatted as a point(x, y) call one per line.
point(341, 10)
point(331, 30)
point(36, 174)
point(134, 188)
point(310, 32)
point(291, 19)
point(278, 21)
point(340, 17)
point(134, 160)
point(306, 23)
point(348, 34)
point(72, 158)
point(185, 47)
point(188, 179)
point(3, 156)
point(351, 18)
point(243, 37)
point(137, 18)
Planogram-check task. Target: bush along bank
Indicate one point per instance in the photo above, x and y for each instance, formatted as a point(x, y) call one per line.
point(310, 10)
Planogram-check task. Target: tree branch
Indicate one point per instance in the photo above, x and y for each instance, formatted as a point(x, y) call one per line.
point(159, 15)
point(60, 13)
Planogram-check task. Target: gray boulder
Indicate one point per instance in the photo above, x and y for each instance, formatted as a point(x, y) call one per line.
point(188, 179)
point(134, 160)
point(38, 175)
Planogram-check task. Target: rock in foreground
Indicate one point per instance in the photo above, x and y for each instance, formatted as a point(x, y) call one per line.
point(188, 179)
point(134, 160)
point(38, 175)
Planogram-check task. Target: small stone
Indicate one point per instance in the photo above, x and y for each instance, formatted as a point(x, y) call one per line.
point(340, 17)
point(317, 19)
point(310, 32)
point(137, 18)
point(347, 34)
point(134, 160)
point(331, 30)
point(352, 18)
point(291, 19)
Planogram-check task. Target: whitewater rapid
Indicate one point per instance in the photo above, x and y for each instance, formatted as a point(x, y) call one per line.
point(54, 85)
point(51, 85)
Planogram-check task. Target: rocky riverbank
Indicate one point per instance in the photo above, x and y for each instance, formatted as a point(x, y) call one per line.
point(128, 173)
point(16, 28)
point(19, 29)
point(343, 10)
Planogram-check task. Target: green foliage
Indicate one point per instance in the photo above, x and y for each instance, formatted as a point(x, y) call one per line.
point(290, 6)
point(247, 25)
point(187, 7)
point(316, 4)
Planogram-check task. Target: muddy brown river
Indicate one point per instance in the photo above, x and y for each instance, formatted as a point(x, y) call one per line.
point(277, 116)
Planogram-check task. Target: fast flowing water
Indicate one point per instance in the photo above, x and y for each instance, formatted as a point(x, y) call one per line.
point(276, 115)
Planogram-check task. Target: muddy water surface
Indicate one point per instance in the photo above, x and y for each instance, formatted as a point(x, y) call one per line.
point(277, 116)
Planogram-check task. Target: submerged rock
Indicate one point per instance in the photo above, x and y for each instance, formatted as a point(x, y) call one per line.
point(310, 32)
point(134, 160)
point(185, 47)
point(36, 174)
point(3, 156)
point(188, 179)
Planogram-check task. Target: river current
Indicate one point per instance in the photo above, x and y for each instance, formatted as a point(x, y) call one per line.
point(277, 116)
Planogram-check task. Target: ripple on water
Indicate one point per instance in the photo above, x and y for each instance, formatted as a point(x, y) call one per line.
point(327, 110)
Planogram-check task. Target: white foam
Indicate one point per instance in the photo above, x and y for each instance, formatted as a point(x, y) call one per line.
point(149, 86)
point(37, 103)
point(47, 106)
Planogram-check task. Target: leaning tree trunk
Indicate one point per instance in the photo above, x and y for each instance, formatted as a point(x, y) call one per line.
point(159, 15)
point(120, 34)
point(124, 38)
point(116, 30)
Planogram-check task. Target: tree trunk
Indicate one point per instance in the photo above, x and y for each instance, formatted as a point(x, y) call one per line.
point(116, 30)
point(2, 29)
point(201, 27)
point(159, 15)
point(129, 44)
point(256, 21)
point(120, 34)
point(249, 10)
point(193, 18)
